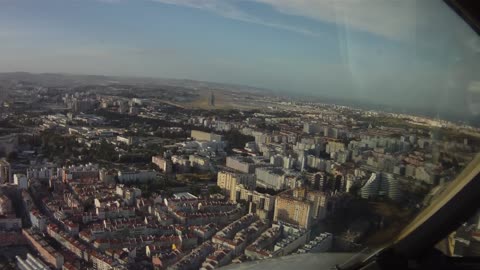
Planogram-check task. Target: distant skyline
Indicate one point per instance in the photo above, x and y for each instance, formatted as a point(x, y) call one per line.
point(414, 54)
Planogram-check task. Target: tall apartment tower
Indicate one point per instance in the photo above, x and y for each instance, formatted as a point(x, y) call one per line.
point(5, 171)
point(211, 100)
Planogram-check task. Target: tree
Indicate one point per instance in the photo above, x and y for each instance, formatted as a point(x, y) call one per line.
point(106, 151)
point(195, 190)
point(243, 203)
point(12, 156)
point(236, 139)
point(89, 205)
point(354, 189)
point(214, 190)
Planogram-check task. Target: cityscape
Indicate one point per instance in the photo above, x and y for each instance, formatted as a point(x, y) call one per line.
point(129, 173)
point(239, 134)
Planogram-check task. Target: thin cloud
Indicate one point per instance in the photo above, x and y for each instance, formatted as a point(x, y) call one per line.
point(230, 11)
point(392, 19)
point(396, 20)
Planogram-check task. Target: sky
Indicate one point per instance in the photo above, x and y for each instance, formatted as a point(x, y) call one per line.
point(407, 53)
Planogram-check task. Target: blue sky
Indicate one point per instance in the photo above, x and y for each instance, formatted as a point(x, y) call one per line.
point(395, 52)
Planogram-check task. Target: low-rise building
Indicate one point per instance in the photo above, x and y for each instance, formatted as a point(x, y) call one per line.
point(194, 259)
point(279, 240)
point(136, 176)
point(321, 243)
point(199, 163)
point(30, 263)
point(165, 164)
point(205, 136)
point(128, 140)
point(47, 253)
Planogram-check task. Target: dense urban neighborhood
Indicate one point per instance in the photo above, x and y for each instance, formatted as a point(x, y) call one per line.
point(116, 175)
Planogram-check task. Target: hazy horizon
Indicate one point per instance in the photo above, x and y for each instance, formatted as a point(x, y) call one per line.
point(410, 54)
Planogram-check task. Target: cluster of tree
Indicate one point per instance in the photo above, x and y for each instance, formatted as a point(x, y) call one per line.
point(56, 146)
point(6, 124)
point(236, 139)
point(135, 158)
point(125, 120)
point(151, 187)
point(214, 190)
point(104, 150)
point(268, 191)
point(170, 134)
point(195, 190)
point(12, 156)
point(268, 126)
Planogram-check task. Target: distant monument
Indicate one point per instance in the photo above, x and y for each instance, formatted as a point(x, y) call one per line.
point(211, 101)
point(3, 95)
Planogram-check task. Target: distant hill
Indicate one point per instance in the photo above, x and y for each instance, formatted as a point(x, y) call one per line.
point(68, 80)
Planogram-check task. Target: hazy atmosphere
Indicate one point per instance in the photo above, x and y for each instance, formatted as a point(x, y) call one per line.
point(239, 134)
point(421, 55)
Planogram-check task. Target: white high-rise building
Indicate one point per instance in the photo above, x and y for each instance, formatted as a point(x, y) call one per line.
point(5, 171)
point(20, 180)
point(381, 184)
